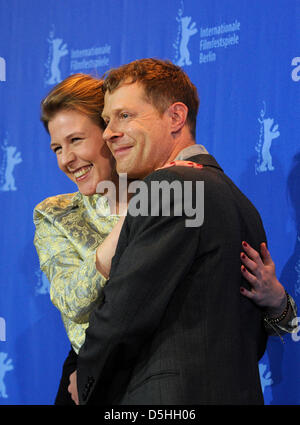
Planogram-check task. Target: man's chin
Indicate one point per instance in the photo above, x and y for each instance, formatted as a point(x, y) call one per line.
point(133, 171)
point(123, 169)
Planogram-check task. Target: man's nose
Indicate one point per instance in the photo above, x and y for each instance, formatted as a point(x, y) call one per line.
point(111, 133)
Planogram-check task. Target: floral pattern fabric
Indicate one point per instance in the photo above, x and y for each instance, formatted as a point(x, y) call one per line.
point(69, 228)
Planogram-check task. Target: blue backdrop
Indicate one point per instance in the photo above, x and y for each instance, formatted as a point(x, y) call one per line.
point(244, 57)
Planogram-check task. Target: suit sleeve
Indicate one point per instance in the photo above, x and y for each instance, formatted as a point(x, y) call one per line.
point(158, 253)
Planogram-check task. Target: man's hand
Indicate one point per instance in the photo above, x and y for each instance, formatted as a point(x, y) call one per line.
point(72, 388)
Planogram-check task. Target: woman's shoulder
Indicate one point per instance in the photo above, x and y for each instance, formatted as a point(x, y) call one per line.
point(55, 205)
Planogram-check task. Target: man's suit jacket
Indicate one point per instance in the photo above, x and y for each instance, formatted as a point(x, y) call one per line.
point(174, 328)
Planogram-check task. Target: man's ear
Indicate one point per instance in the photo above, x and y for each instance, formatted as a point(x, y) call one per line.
point(178, 113)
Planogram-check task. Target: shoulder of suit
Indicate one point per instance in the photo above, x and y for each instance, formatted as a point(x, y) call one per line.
point(55, 205)
point(178, 172)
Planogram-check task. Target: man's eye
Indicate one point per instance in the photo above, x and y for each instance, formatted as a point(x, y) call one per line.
point(56, 149)
point(104, 123)
point(124, 115)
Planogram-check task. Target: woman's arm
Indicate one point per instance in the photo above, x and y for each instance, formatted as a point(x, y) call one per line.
point(106, 250)
point(75, 282)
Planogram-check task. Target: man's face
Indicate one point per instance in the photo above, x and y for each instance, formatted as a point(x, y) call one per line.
point(138, 136)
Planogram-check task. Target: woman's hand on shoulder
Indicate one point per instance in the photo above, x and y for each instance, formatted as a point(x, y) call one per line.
point(259, 270)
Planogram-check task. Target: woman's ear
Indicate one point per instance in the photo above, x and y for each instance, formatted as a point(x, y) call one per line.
point(178, 113)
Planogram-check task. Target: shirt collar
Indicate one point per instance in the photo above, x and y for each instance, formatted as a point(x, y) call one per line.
point(191, 151)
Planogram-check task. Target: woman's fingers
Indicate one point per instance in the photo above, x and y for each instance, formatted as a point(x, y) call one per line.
point(247, 293)
point(252, 253)
point(251, 265)
point(266, 257)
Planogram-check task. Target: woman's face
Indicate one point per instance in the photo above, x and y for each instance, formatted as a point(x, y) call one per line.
point(80, 150)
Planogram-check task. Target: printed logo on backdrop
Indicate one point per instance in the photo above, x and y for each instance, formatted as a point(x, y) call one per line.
point(267, 133)
point(2, 69)
point(296, 70)
point(212, 38)
point(89, 59)
point(6, 365)
point(186, 29)
point(43, 286)
point(10, 158)
point(265, 376)
point(57, 50)
point(217, 37)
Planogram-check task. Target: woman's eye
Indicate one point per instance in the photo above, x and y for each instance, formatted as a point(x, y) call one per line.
point(57, 149)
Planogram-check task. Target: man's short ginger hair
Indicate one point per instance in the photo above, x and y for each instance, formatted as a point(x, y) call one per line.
point(164, 84)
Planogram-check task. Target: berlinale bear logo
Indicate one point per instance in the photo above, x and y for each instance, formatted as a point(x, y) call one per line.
point(186, 29)
point(268, 132)
point(57, 50)
point(5, 366)
point(11, 158)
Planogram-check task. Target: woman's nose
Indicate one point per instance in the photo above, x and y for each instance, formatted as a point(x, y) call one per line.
point(67, 157)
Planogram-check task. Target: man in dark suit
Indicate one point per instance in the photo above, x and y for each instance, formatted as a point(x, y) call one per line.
point(173, 327)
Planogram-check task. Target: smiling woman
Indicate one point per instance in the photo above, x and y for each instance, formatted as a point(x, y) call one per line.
point(71, 228)
point(71, 114)
point(80, 149)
